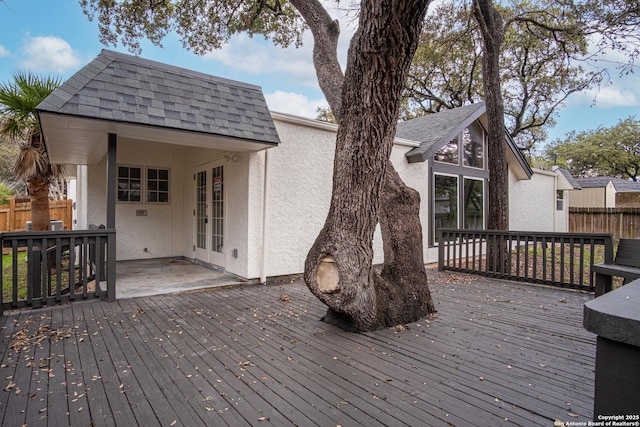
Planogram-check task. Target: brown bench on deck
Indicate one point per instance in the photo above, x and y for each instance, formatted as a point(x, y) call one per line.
point(626, 265)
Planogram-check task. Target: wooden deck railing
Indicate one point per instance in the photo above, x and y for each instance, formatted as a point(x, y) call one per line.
point(558, 259)
point(57, 267)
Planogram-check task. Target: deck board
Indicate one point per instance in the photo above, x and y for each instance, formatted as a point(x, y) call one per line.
point(498, 353)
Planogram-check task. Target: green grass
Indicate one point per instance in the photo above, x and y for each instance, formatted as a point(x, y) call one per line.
point(7, 276)
point(569, 259)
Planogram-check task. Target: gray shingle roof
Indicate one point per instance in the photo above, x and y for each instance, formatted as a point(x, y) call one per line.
point(624, 186)
point(125, 88)
point(621, 185)
point(435, 128)
point(570, 178)
point(593, 182)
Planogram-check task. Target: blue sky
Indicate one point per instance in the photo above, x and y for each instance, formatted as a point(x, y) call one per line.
point(54, 37)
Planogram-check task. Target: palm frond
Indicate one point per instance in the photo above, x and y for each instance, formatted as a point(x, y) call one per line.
point(18, 122)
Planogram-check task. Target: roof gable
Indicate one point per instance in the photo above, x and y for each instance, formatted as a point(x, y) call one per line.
point(571, 182)
point(128, 89)
point(437, 128)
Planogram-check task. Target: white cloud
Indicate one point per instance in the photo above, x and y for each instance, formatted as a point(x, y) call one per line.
point(256, 56)
point(294, 65)
point(620, 92)
point(3, 51)
point(49, 54)
point(293, 103)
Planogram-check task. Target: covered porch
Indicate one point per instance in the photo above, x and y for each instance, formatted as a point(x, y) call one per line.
point(162, 155)
point(161, 276)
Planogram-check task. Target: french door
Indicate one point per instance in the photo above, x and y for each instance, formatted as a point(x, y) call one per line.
point(210, 224)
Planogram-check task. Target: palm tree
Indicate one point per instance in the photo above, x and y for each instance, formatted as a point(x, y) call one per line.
point(18, 122)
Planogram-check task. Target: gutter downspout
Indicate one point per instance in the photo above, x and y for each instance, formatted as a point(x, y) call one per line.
point(265, 199)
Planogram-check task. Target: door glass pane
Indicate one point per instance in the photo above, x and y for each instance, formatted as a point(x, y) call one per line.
point(217, 209)
point(473, 204)
point(445, 203)
point(201, 210)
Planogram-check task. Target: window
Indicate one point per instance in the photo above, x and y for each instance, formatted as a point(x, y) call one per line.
point(446, 203)
point(459, 173)
point(473, 147)
point(473, 205)
point(559, 200)
point(448, 153)
point(157, 185)
point(129, 184)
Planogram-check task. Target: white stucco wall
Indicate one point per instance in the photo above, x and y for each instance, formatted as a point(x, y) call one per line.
point(161, 230)
point(532, 203)
point(299, 193)
point(300, 180)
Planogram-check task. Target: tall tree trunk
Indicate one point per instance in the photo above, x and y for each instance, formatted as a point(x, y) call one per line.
point(339, 267)
point(39, 192)
point(491, 27)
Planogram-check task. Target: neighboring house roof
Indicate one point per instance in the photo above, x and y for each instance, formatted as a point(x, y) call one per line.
point(620, 185)
point(573, 182)
point(594, 181)
point(127, 89)
point(439, 128)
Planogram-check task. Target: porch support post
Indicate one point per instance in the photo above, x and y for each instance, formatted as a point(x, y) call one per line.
point(111, 217)
point(265, 199)
point(111, 181)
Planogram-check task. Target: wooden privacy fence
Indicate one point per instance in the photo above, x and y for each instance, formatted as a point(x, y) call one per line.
point(14, 215)
point(623, 223)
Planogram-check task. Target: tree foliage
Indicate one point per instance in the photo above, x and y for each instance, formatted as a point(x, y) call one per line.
point(548, 53)
point(18, 123)
point(203, 26)
point(612, 151)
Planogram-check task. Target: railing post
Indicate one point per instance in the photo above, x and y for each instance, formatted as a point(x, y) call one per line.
point(111, 265)
point(440, 251)
point(2, 275)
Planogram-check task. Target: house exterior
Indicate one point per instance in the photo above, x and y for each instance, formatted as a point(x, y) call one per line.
point(184, 164)
point(605, 192)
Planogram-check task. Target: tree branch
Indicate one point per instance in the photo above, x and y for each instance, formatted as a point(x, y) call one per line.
point(326, 32)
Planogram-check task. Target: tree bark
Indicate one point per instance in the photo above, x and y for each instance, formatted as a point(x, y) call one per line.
point(39, 193)
point(492, 30)
point(339, 268)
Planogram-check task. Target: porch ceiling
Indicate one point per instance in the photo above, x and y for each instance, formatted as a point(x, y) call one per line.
point(83, 141)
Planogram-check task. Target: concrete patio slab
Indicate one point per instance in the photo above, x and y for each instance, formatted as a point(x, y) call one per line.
point(168, 275)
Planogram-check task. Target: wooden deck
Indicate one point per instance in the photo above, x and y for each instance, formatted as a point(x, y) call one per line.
point(499, 353)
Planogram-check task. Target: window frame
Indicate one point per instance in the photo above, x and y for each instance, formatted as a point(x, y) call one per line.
point(129, 180)
point(157, 191)
point(560, 200)
point(462, 172)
